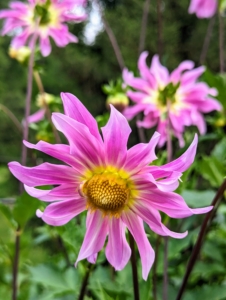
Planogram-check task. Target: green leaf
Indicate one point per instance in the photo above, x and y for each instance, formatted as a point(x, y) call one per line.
point(198, 198)
point(212, 170)
point(25, 207)
point(219, 150)
point(8, 214)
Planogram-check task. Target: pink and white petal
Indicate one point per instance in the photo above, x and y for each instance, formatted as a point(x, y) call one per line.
point(92, 258)
point(60, 213)
point(189, 77)
point(59, 151)
point(170, 203)
point(199, 121)
point(141, 155)
point(59, 193)
point(116, 133)
point(182, 163)
point(43, 174)
point(138, 97)
point(36, 117)
point(84, 146)
point(20, 40)
point(45, 46)
point(176, 74)
point(153, 218)
point(136, 227)
point(144, 70)
point(131, 111)
point(160, 72)
point(95, 236)
point(193, 6)
point(77, 111)
point(117, 251)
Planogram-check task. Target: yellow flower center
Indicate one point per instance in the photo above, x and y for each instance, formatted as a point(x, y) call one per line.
point(107, 192)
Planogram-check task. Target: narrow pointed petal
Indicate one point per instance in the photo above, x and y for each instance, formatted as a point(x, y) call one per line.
point(141, 155)
point(60, 213)
point(116, 134)
point(136, 227)
point(170, 203)
point(77, 111)
point(59, 193)
point(84, 146)
point(144, 70)
point(59, 151)
point(182, 163)
point(43, 174)
point(95, 235)
point(152, 217)
point(117, 251)
point(92, 258)
point(45, 46)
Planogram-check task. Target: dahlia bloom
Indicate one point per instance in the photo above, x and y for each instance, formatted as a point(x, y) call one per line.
point(117, 187)
point(169, 100)
point(203, 8)
point(51, 15)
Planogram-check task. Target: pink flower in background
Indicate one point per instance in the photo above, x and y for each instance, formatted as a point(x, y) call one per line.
point(118, 187)
point(176, 98)
point(21, 19)
point(203, 8)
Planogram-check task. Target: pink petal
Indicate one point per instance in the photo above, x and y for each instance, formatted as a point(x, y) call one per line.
point(190, 77)
point(176, 74)
point(136, 227)
point(92, 258)
point(171, 204)
point(116, 134)
point(43, 174)
point(45, 46)
point(60, 213)
point(141, 155)
point(153, 218)
point(160, 72)
point(59, 193)
point(59, 151)
point(36, 117)
point(74, 109)
point(117, 251)
point(182, 163)
point(144, 70)
point(84, 146)
point(95, 235)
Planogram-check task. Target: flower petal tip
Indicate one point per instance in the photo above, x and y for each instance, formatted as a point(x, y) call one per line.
point(39, 213)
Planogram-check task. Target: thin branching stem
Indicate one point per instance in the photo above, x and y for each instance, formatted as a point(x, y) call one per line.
point(196, 250)
point(134, 267)
point(85, 282)
point(111, 36)
point(144, 23)
point(40, 86)
point(12, 117)
point(207, 39)
point(221, 42)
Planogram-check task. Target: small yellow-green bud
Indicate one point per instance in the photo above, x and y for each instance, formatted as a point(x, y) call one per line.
point(120, 101)
point(21, 54)
point(43, 99)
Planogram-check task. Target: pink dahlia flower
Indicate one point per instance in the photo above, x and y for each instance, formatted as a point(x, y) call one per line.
point(203, 8)
point(176, 98)
point(118, 187)
point(21, 19)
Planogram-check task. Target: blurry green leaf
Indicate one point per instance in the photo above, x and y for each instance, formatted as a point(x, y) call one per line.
point(25, 207)
point(4, 174)
point(207, 292)
point(212, 170)
point(8, 214)
point(205, 269)
point(212, 251)
point(219, 83)
point(198, 198)
point(219, 150)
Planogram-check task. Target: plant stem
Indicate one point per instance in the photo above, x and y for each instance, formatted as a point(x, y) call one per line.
point(144, 25)
point(134, 267)
point(160, 27)
point(85, 282)
point(16, 264)
point(111, 36)
point(47, 110)
point(11, 116)
point(197, 247)
point(154, 277)
point(221, 42)
point(28, 98)
point(207, 40)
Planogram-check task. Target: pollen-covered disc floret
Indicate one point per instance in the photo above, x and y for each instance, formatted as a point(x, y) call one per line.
point(117, 186)
point(106, 192)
